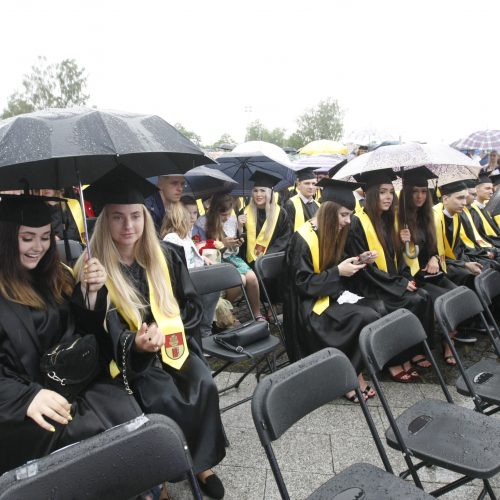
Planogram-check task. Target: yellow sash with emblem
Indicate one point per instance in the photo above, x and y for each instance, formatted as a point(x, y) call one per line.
point(441, 234)
point(299, 211)
point(477, 237)
point(487, 226)
point(174, 351)
point(76, 211)
point(201, 208)
point(257, 244)
point(311, 238)
point(373, 241)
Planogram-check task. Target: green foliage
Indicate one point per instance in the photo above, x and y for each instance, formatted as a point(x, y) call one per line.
point(223, 139)
point(58, 85)
point(192, 136)
point(325, 121)
point(257, 132)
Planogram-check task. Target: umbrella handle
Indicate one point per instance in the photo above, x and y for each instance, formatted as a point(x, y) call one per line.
point(408, 253)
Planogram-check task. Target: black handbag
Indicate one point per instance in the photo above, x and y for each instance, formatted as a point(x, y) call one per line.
point(243, 336)
point(69, 367)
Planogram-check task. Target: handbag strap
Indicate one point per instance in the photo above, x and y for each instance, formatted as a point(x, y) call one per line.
point(226, 345)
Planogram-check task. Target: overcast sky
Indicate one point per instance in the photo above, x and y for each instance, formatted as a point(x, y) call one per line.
point(422, 70)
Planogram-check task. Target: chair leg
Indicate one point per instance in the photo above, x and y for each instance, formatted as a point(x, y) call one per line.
point(487, 489)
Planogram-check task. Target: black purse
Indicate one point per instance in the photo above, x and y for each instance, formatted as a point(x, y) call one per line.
point(245, 335)
point(69, 367)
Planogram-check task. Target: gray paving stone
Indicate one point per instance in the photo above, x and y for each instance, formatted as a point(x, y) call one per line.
point(299, 485)
point(243, 483)
point(245, 449)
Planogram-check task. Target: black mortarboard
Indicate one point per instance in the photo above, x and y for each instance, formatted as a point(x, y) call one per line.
point(340, 192)
point(417, 177)
point(376, 177)
point(495, 176)
point(470, 183)
point(26, 210)
point(120, 186)
point(263, 179)
point(330, 171)
point(306, 174)
point(452, 187)
point(483, 178)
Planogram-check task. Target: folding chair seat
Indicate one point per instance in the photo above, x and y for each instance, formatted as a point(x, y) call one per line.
point(480, 381)
point(284, 397)
point(487, 286)
point(75, 249)
point(117, 464)
point(434, 431)
point(217, 278)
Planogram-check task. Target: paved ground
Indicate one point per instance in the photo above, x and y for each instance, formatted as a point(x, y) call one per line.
point(323, 443)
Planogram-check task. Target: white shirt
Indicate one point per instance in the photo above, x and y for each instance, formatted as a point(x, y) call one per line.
point(230, 228)
point(193, 257)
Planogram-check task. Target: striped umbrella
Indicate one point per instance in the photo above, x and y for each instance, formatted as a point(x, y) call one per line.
point(485, 140)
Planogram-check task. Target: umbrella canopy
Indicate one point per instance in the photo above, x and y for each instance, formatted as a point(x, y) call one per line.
point(205, 181)
point(49, 148)
point(441, 159)
point(485, 140)
point(324, 147)
point(252, 156)
point(325, 162)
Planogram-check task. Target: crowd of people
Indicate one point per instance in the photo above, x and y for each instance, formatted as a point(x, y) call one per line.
point(350, 259)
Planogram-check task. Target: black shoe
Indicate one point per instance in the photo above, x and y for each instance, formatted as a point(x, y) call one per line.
point(465, 336)
point(212, 486)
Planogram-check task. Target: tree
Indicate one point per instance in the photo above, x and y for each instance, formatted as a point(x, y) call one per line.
point(192, 136)
point(58, 85)
point(325, 121)
point(225, 139)
point(257, 132)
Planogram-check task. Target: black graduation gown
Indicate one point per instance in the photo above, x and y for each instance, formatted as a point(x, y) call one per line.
point(61, 218)
point(310, 210)
point(338, 326)
point(25, 335)
point(390, 286)
point(189, 395)
point(494, 240)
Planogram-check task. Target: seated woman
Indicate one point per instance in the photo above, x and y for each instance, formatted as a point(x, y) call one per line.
point(417, 227)
point(152, 317)
point(319, 311)
point(35, 316)
point(389, 278)
point(220, 224)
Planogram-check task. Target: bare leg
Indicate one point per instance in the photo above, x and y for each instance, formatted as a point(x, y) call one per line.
point(252, 288)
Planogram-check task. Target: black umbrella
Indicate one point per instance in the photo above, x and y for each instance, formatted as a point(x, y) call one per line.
point(204, 181)
point(57, 148)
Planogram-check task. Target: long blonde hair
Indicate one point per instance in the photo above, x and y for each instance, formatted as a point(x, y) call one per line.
point(148, 254)
point(176, 220)
point(270, 209)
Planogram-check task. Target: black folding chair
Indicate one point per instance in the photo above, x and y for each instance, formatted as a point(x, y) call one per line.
point(434, 431)
point(117, 464)
point(69, 251)
point(487, 286)
point(269, 268)
point(216, 278)
point(284, 397)
point(481, 381)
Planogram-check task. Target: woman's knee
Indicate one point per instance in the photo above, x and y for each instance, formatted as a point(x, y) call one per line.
point(251, 278)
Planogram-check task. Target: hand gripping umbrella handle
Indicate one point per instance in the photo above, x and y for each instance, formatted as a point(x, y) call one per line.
point(408, 253)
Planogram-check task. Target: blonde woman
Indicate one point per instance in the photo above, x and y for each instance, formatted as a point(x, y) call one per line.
point(151, 314)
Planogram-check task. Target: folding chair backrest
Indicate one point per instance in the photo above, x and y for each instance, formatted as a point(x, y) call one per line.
point(383, 339)
point(270, 266)
point(487, 285)
point(75, 250)
point(119, 463)
point(285, 396)
point(456, 306)
point(215, 278)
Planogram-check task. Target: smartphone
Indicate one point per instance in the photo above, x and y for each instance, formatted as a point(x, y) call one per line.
point(362, 259)
point(242, 236)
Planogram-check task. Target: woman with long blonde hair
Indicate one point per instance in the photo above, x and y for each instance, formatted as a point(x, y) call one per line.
point(151, 312)
point(319, 309)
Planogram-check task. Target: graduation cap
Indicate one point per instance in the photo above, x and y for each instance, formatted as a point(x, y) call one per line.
point(26, 210)
point(376, 177)
point(120, 186)
point(452, 187)
point(470, 183)
point(330, 171)
point(306, 174)
point(483, 178)
point(495, 176)
point(417, 177)
point(263, 179)
point(340, 192)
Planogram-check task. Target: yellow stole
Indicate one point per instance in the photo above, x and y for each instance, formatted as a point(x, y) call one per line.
point(413, 264)
point(358, 208)
point(477, 237)
point(174, 351)
point(439, 220)
point(496, 218)
point(257, 244)
point(299, 211)
point(311, 238)
point(373, 241)
point(487, 226)
point(201, 208)
point(76, 211)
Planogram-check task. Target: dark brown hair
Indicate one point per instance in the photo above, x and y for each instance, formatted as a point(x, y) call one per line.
point(418, 219)
point(220, 203)
point(23, 286)
point(331, 241)
point(383, 223)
